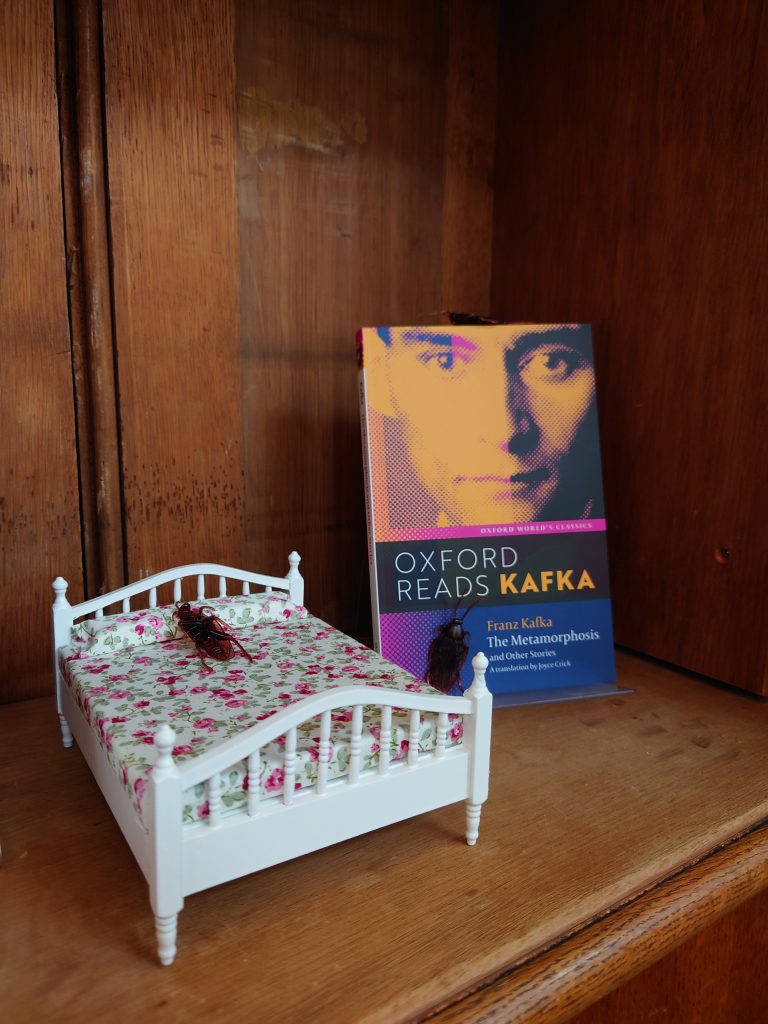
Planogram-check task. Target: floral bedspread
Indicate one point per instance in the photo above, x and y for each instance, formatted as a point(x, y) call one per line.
point(127, 695)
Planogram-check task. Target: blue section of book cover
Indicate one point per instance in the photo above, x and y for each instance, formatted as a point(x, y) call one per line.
point(529, 647)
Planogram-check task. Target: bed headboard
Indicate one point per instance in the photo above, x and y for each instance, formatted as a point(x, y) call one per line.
point(64, 614)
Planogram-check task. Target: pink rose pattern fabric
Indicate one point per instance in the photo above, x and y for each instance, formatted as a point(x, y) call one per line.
point(156, 625)
point(127, 695)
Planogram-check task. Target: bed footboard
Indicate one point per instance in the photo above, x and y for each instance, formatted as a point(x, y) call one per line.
point(268, 831)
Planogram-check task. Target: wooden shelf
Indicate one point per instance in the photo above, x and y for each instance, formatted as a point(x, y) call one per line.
point(615, 829)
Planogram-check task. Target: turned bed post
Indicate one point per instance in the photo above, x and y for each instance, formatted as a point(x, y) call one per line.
point(61, 615)
point(295, 579)
point(165, 890)
point(478, 725)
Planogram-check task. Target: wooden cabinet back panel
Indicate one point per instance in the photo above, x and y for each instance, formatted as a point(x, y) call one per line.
point(630, 169)
point(39, 513)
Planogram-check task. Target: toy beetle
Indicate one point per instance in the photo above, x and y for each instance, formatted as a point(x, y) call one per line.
point(469, 319)
point(207, 632)
point(447, 653)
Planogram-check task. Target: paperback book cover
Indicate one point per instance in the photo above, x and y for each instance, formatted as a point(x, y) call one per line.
point(484, 500)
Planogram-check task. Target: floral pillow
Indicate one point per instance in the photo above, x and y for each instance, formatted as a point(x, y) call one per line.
point(254, 609)
point(98, 637)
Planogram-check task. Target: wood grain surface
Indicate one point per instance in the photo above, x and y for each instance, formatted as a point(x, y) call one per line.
point(470, 135)
point(630, 193)
point(717, 977)
point(357, 190)
point(39, 514)
point(170, 129)
point(592, 804)
point(552, 987)
point(317, 166)
point(89, 284)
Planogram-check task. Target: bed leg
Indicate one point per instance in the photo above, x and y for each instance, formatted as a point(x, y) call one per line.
point(477, 735)
point(165, 929)
point(66, 732)
point(473, 822)
point(164, 874)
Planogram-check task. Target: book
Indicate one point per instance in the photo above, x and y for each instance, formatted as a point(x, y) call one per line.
point(484, 503)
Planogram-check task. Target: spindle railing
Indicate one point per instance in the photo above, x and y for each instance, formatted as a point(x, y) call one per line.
point(356, 698)
point(65, 614)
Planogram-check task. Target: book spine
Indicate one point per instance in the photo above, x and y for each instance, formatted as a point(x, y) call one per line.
point(369, 510)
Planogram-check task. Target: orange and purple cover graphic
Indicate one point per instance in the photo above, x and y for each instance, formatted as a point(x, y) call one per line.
point(484, 497)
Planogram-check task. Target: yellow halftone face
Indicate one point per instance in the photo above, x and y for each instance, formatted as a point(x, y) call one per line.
point(486, 416)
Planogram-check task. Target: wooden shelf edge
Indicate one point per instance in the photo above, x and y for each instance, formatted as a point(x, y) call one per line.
point(565, 979)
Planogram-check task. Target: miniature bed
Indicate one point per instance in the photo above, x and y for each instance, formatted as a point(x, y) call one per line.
point(214, 770)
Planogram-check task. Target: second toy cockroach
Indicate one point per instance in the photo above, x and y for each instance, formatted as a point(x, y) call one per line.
point(448, 652)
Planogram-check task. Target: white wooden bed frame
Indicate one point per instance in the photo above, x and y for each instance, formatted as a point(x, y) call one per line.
point(179, 860)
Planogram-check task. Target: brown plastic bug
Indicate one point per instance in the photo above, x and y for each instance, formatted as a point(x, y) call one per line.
point(468, 319)
point(207, 632)
point(448, 652)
